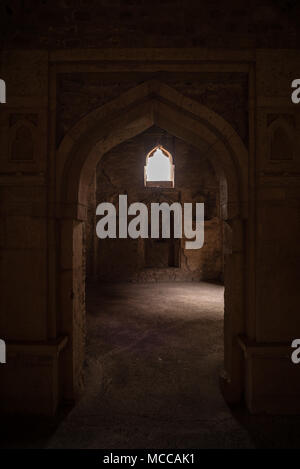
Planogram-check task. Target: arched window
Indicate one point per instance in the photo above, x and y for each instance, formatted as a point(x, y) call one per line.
point(159, 168)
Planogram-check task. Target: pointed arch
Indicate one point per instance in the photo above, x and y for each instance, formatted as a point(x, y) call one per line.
point(168, 167)
point(152, 103)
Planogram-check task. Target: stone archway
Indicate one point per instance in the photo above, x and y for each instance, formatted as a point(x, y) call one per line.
point(80, 151)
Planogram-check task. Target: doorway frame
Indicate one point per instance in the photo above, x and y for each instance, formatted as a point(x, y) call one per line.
point(131, 113)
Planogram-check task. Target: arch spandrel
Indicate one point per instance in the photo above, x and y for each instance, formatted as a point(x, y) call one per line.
point(151, 103)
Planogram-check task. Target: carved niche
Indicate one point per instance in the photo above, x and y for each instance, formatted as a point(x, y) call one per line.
point(23, 141)
point(281, 140)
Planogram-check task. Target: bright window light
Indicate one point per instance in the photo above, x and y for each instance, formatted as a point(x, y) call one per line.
point(158, 167)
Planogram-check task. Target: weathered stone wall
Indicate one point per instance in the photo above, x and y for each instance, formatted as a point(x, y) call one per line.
point(23, 197)
point(42, 295)
point(224, 93)
point(156, 23)
point(90, 240)
point(121, 171)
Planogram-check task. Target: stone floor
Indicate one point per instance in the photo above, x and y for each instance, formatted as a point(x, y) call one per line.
point(154, 353)
point(153, 358)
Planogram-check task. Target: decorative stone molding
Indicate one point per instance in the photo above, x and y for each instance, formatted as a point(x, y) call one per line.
point(36, 364)
point(281, 140)
point(136, 110)
point(271, 379)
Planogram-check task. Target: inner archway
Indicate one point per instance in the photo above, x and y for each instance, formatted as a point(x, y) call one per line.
point(82, 148)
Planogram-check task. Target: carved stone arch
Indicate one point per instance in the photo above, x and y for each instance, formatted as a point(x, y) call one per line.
point(151, 103)
point(22, 142)
point(132, 113)
point(280, 140)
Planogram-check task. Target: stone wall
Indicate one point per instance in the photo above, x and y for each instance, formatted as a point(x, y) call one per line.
point(80, 93)
point(156, 23)
point(41, 261)
point(121, 171)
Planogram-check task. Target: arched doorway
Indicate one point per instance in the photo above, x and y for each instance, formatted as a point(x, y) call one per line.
point(151, 103)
